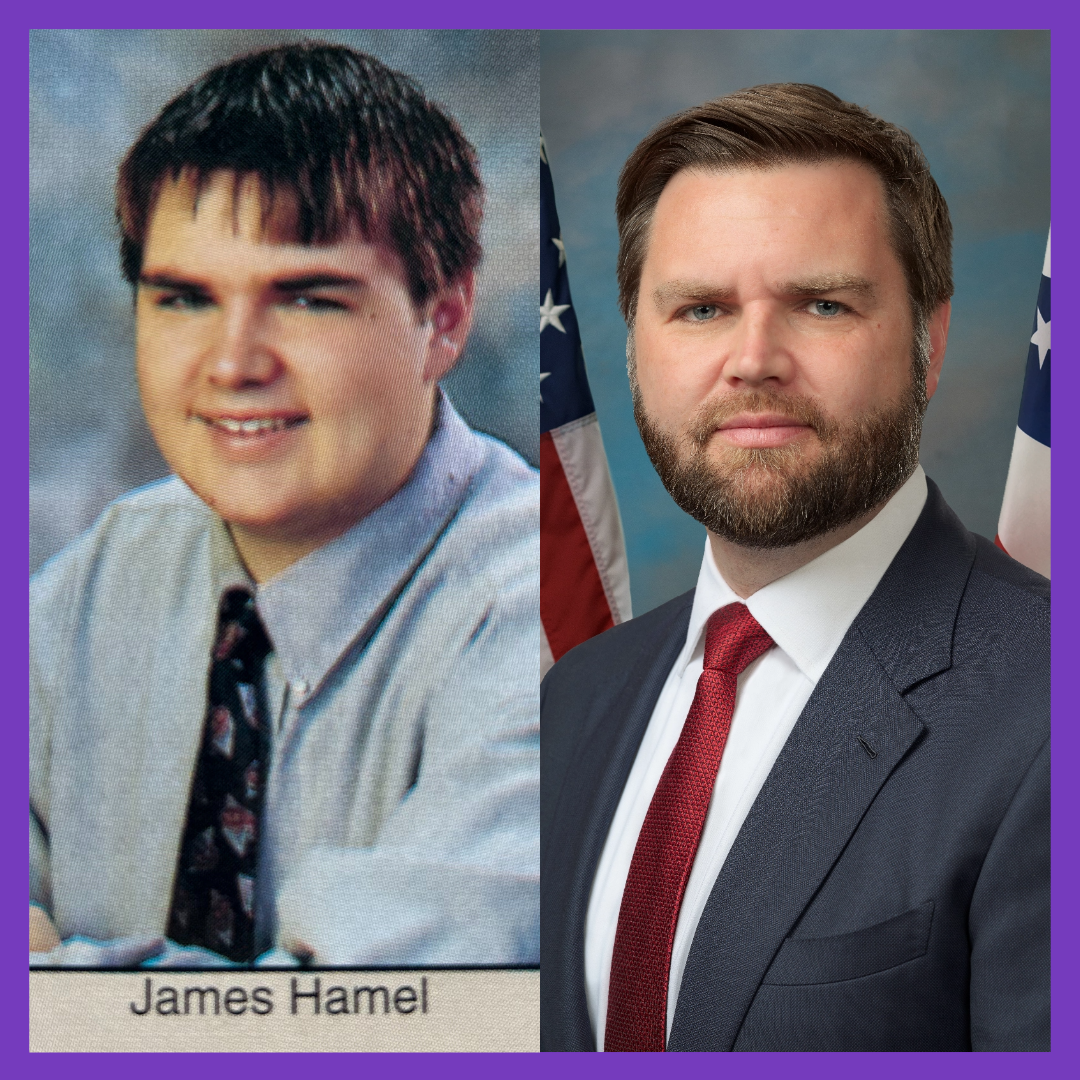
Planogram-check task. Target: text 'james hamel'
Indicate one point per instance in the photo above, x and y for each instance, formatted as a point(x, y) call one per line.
point(307, 996)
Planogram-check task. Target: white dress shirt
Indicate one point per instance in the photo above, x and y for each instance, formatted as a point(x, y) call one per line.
point(807, 613)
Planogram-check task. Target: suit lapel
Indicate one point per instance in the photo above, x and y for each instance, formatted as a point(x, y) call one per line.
point(589, 797)
point(855, 729)
point(814, 797)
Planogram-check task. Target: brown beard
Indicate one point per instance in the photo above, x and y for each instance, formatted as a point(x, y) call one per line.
point(769, 497)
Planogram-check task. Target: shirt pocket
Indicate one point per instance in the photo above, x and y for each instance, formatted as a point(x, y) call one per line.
point(805, 961)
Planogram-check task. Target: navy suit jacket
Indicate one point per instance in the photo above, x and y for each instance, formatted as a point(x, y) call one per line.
point(890, 887)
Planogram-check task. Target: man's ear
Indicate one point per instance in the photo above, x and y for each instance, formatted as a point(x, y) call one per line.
point(938, 327)
point(450, 317)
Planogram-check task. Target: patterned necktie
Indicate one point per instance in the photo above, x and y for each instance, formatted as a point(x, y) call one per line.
point(213, 902)
point(667, 843)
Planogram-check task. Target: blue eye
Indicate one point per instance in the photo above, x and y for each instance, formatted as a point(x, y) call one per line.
point(827, 308)
point(314, 303)
point(702, 313)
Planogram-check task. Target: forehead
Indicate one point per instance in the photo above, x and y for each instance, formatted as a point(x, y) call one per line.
point(234, 221)
point(828, 215)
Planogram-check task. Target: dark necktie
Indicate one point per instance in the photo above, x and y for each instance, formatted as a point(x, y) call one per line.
point(213, 902)
point(667, 843)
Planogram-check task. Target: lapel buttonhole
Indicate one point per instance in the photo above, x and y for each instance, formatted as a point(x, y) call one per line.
point(871, 752)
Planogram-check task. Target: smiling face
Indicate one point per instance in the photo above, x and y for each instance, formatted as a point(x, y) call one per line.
point(773, 350)
point(291, 387)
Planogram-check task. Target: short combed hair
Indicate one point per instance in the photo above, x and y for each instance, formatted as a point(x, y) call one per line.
point(779, 124)
point(347, 138)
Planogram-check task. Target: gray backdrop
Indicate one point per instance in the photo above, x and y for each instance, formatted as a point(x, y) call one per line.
point(978, 101)
point(91, 92)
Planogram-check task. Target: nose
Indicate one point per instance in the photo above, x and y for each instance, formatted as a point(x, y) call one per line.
point(240, 357)
point(758, 349)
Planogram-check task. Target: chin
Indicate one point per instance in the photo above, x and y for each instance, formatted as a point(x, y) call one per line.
point(269, 523)
point(758, 467)
point(256, 516)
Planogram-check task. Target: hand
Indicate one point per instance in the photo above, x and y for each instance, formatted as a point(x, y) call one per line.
point(43, 935)
point(82, 952)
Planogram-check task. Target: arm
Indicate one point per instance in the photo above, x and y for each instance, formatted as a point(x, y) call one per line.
point(51, 641)
point(1009, 923)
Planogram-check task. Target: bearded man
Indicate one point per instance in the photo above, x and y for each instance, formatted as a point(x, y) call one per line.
point(806, 805)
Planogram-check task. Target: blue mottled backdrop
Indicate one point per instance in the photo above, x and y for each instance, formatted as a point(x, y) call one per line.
point(978, 101)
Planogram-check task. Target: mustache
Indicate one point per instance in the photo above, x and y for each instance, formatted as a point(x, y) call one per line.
point(713, 412)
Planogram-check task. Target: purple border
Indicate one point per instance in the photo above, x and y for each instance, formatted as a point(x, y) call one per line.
point(573, 14)
point(1065, 521)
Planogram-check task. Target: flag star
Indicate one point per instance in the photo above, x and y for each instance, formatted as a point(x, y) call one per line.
point(1041, 338)
point(543, 150)
point(543, 376)
point(557, 241)
point(550, 312)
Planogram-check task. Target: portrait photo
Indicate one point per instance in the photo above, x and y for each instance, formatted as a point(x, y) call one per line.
point(284, 505)
point(801, 800)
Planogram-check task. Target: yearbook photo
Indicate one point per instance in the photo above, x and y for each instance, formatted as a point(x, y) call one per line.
point(285, 635)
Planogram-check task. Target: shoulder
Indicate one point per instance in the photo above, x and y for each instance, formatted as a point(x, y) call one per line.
point(496, 530)
point(504, 482)
point(136, 537)
point(999, 574)
point(947, 587)
point(1004, 619)
point(607, 661)
point(1004, 612)
point(964, 632)
point(477, 588)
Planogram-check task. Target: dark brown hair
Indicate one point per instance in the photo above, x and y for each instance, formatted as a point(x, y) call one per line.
point(778, 124)
point(342, 135)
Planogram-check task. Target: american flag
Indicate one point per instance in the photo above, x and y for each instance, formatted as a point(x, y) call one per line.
point(584, 579)
point(1024, 525)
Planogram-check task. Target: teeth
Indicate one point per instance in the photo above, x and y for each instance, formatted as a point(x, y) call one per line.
point(250, 427)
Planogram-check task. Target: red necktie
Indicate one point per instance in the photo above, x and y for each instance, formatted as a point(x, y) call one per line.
point(667, 843)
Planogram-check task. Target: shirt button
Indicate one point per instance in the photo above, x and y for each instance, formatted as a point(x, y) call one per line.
point(301, 688)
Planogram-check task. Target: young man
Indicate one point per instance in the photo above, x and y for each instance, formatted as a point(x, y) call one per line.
point(282, 704)
point(805, 806)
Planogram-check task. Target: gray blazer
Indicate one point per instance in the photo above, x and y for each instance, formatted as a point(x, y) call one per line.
point(890, 887)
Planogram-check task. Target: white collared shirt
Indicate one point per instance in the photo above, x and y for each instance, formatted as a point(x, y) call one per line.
point(807, 613)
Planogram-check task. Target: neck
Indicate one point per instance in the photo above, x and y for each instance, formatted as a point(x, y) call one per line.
point(747, 569)
point(265, 558)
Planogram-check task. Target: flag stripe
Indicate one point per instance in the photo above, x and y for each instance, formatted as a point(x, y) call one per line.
point(584, 575)
point(1024, 526)
point(584, 463)
point(573, 604)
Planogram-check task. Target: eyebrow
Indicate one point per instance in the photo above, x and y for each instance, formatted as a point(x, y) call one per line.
point(702, 291)
point(170, 281)
point(299, 283)
point(706, 293)
point(849, 283)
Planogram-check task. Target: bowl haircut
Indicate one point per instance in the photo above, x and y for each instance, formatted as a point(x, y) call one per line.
point(337, 140)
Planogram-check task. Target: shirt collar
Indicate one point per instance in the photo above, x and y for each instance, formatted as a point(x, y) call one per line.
point(333, 598)
point(808, 612)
